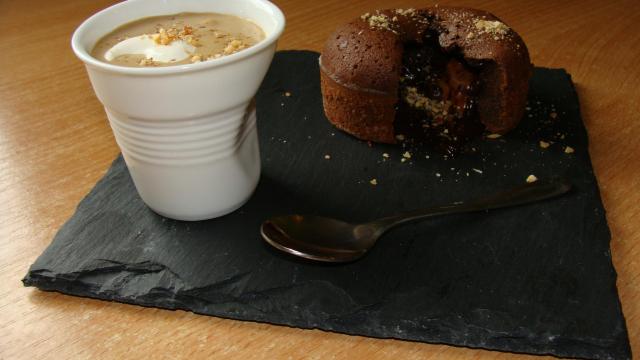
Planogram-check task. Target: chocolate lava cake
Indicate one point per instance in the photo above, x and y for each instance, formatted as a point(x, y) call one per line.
point(449, 72)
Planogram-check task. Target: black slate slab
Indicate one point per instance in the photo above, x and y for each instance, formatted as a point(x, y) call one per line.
point(536, 279)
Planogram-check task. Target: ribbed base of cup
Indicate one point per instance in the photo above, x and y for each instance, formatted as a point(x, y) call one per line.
point(208, 169)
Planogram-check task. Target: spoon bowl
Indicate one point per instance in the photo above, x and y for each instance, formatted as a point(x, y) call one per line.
point(314, 237)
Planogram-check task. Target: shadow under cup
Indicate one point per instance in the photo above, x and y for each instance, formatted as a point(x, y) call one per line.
point(187, 132)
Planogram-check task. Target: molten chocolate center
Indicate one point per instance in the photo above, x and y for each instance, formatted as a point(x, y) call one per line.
point(437, 104)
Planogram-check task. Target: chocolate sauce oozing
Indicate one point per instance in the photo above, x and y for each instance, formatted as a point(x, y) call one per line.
point(437, 106)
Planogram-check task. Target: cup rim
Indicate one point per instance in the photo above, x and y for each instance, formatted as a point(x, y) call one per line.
point(89, 60)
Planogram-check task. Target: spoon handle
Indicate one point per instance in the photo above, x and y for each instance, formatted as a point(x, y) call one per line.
point(519, 195)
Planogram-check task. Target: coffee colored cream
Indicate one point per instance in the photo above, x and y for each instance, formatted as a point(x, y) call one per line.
point(177, 39)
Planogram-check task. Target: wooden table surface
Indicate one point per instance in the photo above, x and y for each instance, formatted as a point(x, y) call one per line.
point(55, 144)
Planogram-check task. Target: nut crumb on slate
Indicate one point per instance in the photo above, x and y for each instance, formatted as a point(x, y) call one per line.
point(403, 159)
point(477, 170)
point(568, 150)
point(544, 144)
point(493, 136)
point(373, 182)
point(532, 178)
point(437, 174)
point(406, 155)
point(327, 156)
point(400, 137)
point(385, 155)
point(553, 115)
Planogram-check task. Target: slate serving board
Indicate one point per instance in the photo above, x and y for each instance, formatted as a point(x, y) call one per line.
point(534, 279)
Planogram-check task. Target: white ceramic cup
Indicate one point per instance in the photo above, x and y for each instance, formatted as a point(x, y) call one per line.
point(187, 132)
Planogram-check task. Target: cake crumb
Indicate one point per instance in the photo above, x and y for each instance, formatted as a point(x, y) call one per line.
point(544, 144)
point(531, 179)
point(568, 150)
point(373, 181)
point(493, 136)
point(406, 155)
point(327, 157)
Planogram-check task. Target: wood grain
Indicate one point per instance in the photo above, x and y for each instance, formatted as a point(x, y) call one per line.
point(55, 144)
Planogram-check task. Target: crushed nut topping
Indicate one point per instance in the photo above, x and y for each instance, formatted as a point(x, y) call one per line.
point(147, 62)
point(378, 21)
point(531, 179)
point(405, 12)
point(493, 136)
point(568, 150)
point(234, 46)
point(436, 108)
point(544, 144)
point(167, 36)
point(496, 28)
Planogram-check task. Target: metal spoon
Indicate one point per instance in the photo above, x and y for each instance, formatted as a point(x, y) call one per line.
point(330, 240)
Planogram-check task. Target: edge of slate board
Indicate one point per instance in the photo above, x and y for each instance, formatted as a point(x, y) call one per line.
point(74, 284)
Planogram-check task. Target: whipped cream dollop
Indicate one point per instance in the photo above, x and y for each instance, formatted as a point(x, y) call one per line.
point(176, 50)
